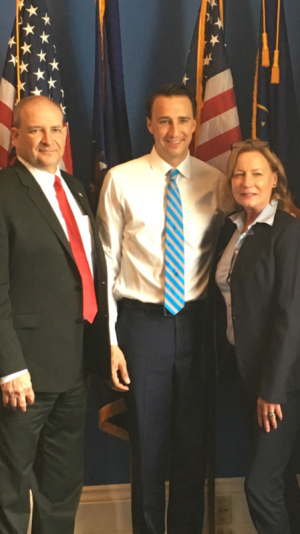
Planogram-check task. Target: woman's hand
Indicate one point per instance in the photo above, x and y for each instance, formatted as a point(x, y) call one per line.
point(267, 414)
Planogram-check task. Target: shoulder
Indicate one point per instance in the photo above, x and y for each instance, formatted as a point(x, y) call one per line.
point(286, 228)
point(126, 176)
point(12, 172)
point(130, 167)
point(205, 170)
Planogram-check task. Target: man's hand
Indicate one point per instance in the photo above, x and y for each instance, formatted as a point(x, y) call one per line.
point(267, 414)
point(119, 372)
point(17, 393)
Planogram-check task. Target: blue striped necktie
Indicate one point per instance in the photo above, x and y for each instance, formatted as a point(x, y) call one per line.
point(174, 248)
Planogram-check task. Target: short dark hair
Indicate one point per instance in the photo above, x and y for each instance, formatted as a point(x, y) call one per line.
point(171, 89)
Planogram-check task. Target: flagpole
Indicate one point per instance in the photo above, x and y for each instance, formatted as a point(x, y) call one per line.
point(200, 59)
point(18, 51)
point(221, 12)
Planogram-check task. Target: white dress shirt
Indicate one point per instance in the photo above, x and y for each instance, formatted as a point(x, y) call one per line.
point(228, 258)
point(46, 183)
point(131, 215)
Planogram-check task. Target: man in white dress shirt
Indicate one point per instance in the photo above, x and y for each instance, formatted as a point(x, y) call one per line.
point(49, 309)
point(156, 354)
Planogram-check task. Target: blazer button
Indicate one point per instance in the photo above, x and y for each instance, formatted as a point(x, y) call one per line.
point(78, 288)
point(79, 320)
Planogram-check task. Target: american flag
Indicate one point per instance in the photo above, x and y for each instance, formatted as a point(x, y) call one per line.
point(209, 77)
point(38, 71)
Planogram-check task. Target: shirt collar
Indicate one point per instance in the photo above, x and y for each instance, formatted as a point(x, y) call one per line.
point(161, 167)
point(38, 173)
point(266, 216)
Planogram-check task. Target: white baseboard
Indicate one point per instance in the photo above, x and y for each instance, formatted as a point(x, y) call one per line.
point(106, 509)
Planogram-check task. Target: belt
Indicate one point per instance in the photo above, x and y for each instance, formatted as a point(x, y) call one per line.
point(151, 308)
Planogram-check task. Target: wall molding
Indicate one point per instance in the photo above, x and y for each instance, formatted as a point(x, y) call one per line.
point(106, 509)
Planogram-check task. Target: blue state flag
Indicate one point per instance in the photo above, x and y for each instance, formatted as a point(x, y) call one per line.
point(111, 136)
point(275, 112)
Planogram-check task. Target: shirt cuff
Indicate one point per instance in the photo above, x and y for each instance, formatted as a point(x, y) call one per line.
point(8, 378)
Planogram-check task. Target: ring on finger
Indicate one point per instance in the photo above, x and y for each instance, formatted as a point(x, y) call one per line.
point(272, 414)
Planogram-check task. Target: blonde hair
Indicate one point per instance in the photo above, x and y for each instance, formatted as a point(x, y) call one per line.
point(280, 192)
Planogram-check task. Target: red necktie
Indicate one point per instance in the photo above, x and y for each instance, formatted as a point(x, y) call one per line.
point(89, 298)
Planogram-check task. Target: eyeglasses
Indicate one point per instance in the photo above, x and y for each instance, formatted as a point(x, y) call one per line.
point(255, 143)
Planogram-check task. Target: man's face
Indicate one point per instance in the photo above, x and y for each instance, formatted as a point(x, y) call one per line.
point(172, 125)
point(40, 139)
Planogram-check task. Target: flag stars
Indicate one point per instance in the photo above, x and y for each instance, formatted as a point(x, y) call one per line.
point(21, 4)
point(21, 86)
point(36, 91)
point(54, 65)
point(212, 3)
point(42, 56)
point(207, 59)
point(32, 10)
point(26, 48)
point(23, 66)
point(11, 41)
point(13, 60)
point(29, 29)
point(219, 23)
point(39, 74)
point(44, 38)
point(63, 108)
point(51, 82)
point(185, 79)
point(46, 19)
point(62, 93)
point(214, 40)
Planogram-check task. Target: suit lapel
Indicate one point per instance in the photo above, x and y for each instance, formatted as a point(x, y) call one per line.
point(85, 206)
point(37, 196)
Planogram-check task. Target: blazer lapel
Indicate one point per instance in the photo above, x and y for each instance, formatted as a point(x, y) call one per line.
point(226, 234)
point(39, 199)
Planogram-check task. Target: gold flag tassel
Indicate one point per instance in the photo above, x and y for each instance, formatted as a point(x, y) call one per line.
point(265, 54)
point(18, 51)
point(275, 76)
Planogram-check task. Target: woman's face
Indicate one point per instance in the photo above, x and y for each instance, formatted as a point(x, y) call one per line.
point(252, 181)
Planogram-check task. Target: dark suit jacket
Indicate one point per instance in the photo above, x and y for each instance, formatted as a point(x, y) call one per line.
point(41, 323)
point(265, 292)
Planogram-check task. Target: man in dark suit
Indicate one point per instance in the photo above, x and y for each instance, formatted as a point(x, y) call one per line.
point(53, 324)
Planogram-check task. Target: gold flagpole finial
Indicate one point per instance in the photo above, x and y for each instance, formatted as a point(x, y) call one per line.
point(275, 76)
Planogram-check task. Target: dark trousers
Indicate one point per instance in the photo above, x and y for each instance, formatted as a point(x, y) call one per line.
point(168, 408)
point(42, 450)
point(271, 484)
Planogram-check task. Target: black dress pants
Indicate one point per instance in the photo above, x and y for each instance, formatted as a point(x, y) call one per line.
point(168, 406)
point(42, 450)
point(271, 484)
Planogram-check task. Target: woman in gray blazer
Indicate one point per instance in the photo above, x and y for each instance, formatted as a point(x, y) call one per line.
point(255, 304)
